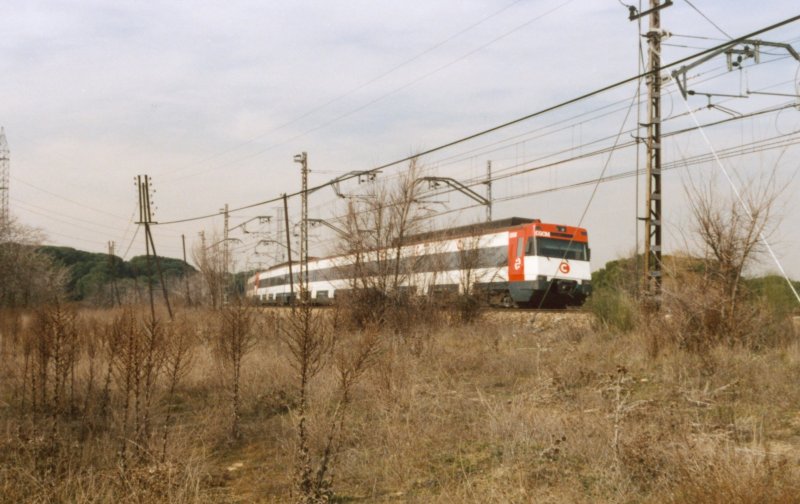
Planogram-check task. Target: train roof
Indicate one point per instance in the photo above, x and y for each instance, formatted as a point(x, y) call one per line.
point(475, 229)
point(468, 230)
point(294, 261)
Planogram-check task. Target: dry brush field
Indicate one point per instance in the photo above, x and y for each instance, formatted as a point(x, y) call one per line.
point(102, 406)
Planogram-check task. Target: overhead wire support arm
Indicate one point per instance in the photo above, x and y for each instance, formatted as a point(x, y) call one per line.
point(224, 240)
point(262, 219)
point(497, 127)
point(327, 224)
point(363, 176)
point(458, 186)
point(635, 14)
point(268, 241)
point(729, 50)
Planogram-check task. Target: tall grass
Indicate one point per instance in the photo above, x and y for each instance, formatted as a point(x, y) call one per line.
point(508, 409)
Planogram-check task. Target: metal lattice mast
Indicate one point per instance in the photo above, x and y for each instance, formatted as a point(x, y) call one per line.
point(653, 217)
point(489, 191)
point(653, 220)
point(5, 168)
point(302, 158)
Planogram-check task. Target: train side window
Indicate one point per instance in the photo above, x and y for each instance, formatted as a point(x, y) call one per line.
point(529, 248)
point(520, 245)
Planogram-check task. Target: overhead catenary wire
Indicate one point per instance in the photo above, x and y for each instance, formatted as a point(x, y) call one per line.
point(77, 203)
point(715, 25)
point(703, 158)
point(744, 206)
point(497, 127)
point(481, 179)
point(387, 94)
point(359, 87)
point(67, 219)
point(484, 150)
point(586, 155)
point(634, 100)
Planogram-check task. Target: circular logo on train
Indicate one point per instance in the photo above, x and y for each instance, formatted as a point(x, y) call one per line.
point(563, 267)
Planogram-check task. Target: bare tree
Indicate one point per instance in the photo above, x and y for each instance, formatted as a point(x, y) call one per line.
point(27, 277)
point(729, 232)
point(470, 298)
point(377, 227)
point(210, 260)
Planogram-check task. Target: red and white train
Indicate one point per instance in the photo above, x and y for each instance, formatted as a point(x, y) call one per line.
point(513, 262)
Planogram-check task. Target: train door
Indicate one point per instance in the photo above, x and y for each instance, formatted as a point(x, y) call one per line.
point(516, 255)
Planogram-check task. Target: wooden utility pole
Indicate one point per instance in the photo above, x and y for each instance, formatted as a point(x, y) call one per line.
point(653, 218)
point(288, 246)
point(146, 219)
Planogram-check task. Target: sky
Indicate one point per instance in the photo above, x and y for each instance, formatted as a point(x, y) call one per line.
point(213, 100)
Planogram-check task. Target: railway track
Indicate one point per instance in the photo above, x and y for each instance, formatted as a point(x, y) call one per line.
point(492, 309)
point(565, 311)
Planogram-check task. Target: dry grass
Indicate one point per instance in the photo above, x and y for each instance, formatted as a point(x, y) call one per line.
point(503, 410)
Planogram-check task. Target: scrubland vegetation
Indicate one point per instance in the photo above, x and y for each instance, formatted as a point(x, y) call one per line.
point(103, 406)
point(392, 398)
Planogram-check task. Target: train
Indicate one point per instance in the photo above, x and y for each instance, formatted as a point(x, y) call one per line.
point(513, 262)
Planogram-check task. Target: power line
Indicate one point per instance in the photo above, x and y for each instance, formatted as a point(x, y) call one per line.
point(17, 179)
point(133, 238)
point(746, 209)
point(500, 126)
point(779, 141)
point(360, 86)
point(700, 159)
point(604, 150)
point(526, 137)
point(708, 19)
point(632, 143)
point(385, 95)
point(66, 218)
point(28, 207)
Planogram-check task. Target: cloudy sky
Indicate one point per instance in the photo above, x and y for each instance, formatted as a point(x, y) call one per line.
point(213, 99)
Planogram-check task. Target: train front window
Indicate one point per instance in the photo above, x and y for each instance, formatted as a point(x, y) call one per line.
point(548, 247)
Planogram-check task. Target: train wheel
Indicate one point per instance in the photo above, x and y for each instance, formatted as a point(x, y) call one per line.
point(507, 301)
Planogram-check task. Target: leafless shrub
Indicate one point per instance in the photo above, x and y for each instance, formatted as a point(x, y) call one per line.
point(178, 361)
point(54, 345)
point(210, 260)
point(309, 343)
point(710, 303)
point(351, 360)
point(140, 357)
point(470, 302)
point(234, 338)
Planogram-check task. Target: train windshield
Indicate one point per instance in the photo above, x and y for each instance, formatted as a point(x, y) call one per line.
point(548, 247)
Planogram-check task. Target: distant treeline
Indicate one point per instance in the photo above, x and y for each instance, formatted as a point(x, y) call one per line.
point(89, 273)
point(617, 283)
